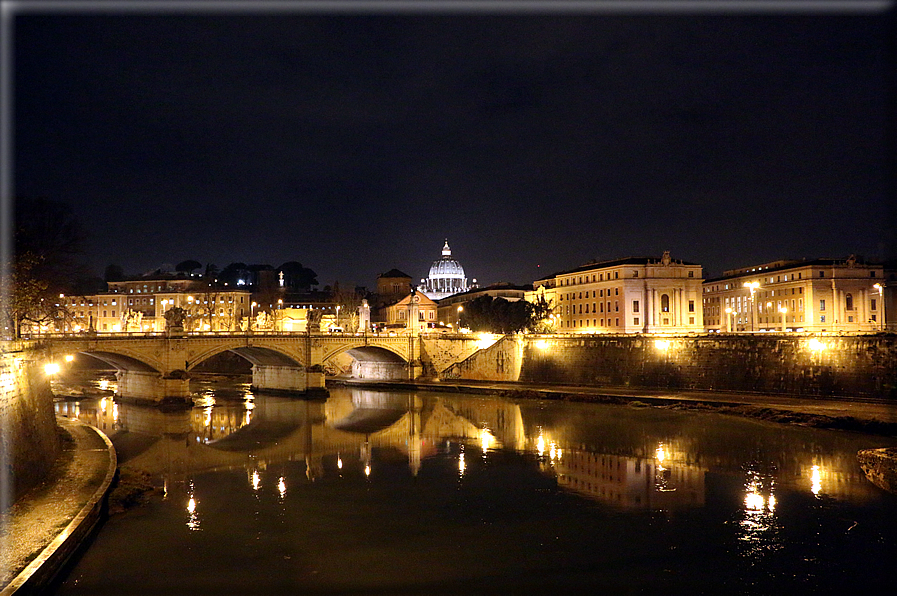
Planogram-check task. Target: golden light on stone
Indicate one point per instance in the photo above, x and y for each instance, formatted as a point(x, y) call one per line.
point(662, 344)
point(51, 368)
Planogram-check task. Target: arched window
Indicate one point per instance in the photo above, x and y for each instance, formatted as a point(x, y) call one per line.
point(849, 301)
point(665, 303)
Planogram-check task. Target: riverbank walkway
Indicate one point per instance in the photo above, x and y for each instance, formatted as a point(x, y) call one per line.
point(44, 528)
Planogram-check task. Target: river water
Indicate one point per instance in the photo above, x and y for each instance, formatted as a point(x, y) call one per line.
point(371, 492)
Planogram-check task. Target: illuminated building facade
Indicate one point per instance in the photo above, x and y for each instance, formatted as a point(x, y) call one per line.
point(140, 306)
point(631, 295)
point(821, 295)
point(415, 312)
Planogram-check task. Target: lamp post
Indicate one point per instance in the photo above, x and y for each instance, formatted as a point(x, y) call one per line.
point(280, 306)
point(251, 314)
point(728, 319)
point(460, 310)
point(881, 298)
point(784, 311)
point(752, 286)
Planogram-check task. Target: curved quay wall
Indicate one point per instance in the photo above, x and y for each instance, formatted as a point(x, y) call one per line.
point(29, 443)
point(834, 365)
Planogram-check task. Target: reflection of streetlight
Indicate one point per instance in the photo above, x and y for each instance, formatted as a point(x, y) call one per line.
point(784, 312)
point(752, 286)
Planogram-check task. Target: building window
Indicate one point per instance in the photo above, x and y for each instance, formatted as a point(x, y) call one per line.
point(691, 320)
point(691, 273)
point(822, 274)
point(617, 275)
point(872, 274)
point(635, 274)
point(691, 306)
point(635, 307)
point(873, 305)
point(665, 303)
point(874, 318)
point(822, 318)
point(822, 305)
point(848, 300)
point(635, 321)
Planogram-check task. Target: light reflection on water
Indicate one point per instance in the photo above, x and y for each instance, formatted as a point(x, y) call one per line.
point(743, 491)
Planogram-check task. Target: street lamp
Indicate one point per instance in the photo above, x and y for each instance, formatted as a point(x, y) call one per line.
point(881, 298)
point(460, 310)
point(280, 306)
point(752, 286)
point(251, 314)
point(784, 311)
point(728, 317)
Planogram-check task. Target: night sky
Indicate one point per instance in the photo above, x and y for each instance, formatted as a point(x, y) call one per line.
point(533, 140)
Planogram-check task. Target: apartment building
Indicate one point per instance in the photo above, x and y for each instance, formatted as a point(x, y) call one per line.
point(820, 295)
point(631, 295)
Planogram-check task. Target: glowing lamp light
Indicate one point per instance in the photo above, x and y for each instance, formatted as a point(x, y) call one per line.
point(662, 344)
point(51, 368)
point(816, 345)
point(69, 357)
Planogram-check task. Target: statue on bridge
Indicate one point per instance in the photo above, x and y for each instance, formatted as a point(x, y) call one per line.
point(131, 320)
point(174, 318)
point(314, 321)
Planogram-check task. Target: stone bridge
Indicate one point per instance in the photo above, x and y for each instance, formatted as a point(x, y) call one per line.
point(156, 367)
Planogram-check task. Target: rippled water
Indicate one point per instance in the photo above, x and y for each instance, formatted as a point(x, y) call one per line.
point(431, 492)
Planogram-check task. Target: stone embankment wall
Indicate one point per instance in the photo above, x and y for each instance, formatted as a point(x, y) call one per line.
point(789, 364)
point(502, 361)
point(29, 443)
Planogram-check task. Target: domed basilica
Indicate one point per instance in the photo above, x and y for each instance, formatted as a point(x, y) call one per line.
point(446, 277)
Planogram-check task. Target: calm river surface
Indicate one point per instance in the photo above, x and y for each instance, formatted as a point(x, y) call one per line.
point(451, 493)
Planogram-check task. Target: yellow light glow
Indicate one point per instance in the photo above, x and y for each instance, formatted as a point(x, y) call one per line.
point(191, 505)
point(540, 445)
point(103, 404)
point(69, 357)
point(282, 487)
point(754, 502)
point(104, 384)
point(339, 462)
point(662, 344)
point(51, 368)
point(816, 480)
point(367, 470)
point(816, 345)
point(542, 344)
point(485, 340)
point(486, 440)
point(660, 454)
point(461, 464)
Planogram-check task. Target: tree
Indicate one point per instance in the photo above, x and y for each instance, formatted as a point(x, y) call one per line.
point(211, 272)
point(297, 277)
point(348, 303)
point(48, 241)
point(497, 315)
point(188, 266)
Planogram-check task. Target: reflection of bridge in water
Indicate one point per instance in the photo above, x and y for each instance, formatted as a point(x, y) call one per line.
point(276, 429)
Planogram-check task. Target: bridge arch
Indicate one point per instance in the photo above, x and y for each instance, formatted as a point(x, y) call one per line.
point(257, 355)
point(372, 362)
point(122, 362)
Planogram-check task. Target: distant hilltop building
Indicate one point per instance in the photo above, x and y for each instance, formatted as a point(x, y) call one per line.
point(446, 277)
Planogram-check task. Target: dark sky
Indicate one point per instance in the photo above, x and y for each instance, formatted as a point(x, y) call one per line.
point(535, 141)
